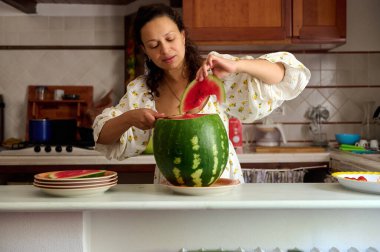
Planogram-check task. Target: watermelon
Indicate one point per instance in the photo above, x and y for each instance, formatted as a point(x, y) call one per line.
point(191, 149)
point(75, 174)
point(197, 93)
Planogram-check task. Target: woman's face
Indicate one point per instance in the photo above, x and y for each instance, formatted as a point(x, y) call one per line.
point(163, 43)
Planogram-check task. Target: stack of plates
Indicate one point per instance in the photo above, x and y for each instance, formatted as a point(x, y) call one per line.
point(74, 187)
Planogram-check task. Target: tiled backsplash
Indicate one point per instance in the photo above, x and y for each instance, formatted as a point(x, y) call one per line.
point(341, 82)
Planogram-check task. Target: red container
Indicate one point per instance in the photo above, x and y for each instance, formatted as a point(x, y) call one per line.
point(236, 132)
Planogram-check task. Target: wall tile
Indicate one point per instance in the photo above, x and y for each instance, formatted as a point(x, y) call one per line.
point(373, 69)
point(88, 23)
point(337, 98)
point(109, 23)
point(351, 112)
point(56, 37)
point(359, 76)
point(1, 24)
point(10, 38)
point(359, 61)
point(109, 38)
point(344, 61)
point(311, 61)
point(315, 79)
point(75, 37)
point(328, 78)
point(315, 98)
point(72, 24)
point(37, 30)
point(328, 62)
point(34, 38)
point(56, 23)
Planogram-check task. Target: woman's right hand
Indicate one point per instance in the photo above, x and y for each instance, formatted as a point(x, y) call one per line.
point(143, 118)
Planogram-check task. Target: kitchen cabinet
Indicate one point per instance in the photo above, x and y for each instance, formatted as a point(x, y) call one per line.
point(319, 20)
point(223, 22)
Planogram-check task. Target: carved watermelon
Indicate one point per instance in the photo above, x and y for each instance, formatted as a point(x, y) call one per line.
point(197, 92)
point(192, 149)
point(75, 174)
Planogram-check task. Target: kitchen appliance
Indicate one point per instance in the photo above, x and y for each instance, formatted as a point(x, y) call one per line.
point(50, 150)
point(269, 134)
point(235, 132)
point(56, 136)
point(367, 123)
point(317, 115)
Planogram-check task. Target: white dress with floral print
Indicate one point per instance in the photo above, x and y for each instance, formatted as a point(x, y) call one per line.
point(247, 99)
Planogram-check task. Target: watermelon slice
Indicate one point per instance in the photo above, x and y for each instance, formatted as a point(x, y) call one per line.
point(197, 93)
point(75, 174)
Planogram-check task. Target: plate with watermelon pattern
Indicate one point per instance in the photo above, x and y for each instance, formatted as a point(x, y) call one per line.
point(77, 192)
point(221, 186)
point(368, 182)
point(74, 183)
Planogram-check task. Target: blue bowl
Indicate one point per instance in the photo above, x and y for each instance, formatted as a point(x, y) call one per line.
point(347, 138)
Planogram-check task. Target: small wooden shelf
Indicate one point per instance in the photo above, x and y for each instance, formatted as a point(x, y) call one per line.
point(60, 109)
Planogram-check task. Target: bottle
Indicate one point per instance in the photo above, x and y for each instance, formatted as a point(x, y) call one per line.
point(367, 123)
point(236, 132)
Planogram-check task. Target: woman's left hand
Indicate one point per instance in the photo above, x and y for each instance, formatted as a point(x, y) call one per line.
point(220, 67)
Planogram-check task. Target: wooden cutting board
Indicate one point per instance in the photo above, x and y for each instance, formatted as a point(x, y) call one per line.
point(289, 149)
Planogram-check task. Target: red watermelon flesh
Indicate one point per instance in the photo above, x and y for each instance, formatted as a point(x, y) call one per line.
point(74, 174)
point(197, 93)
point(184, 116)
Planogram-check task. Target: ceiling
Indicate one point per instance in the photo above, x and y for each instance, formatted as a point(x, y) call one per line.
point(29, 6)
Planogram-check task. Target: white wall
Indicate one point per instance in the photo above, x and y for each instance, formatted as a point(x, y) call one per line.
point(363, 26)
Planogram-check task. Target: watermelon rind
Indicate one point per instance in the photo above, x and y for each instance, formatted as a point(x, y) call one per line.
point(76, 174)
point(191, 150)
point(202, 93)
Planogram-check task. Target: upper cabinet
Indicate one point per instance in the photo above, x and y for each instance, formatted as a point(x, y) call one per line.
point(283, 22)
point(238, 20)
point(319, 20)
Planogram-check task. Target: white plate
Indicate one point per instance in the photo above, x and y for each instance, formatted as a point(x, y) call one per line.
point(77, 192)
point(36, 184)
point(221, 186)
point(45, 177)
point(372, 185)
point(74, 183)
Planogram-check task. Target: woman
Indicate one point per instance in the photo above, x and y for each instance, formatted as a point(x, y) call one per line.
point(254, 87)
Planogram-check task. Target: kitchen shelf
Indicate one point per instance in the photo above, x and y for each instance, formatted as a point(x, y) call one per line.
point(48, 108)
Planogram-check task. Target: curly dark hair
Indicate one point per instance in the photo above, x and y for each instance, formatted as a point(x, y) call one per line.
point(193, 59)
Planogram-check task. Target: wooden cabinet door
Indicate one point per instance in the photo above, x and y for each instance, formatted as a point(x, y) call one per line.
point(237, 20)
point(319, 20)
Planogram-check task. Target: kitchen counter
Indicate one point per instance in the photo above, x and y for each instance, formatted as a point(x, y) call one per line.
point(153, 218)
point(156, 197)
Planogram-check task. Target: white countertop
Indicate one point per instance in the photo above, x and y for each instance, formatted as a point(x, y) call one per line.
point(158, 197)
